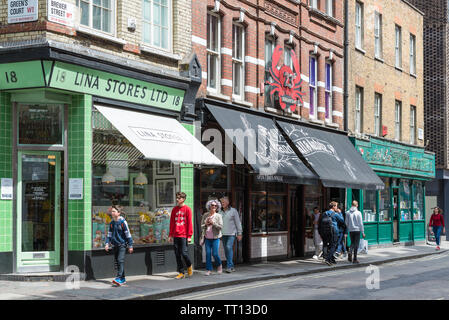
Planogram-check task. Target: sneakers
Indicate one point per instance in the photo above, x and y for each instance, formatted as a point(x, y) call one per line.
point(228, 270)
point(119, 281)
point(190, 271)
point(180, 276)
point(438, 248)
point(208, 273)
point(350, 257)
point(328, 263)
point(355, 261)
point(220, 269)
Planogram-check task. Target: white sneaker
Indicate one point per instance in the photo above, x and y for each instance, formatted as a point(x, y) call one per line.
point(208, 273)
point(315, 257)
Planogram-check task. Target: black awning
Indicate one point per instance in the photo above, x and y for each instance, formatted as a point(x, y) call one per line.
point(333, 157)
point(262, 144)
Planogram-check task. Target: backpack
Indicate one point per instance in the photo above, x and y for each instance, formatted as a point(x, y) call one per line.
point(325, 226)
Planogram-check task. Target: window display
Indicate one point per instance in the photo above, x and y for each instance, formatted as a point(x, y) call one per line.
point(144, 188)
point(405, 198)
point(40, 124)
point(268, 212)
point(418, 200)
point(369, 206)
point(385, 201)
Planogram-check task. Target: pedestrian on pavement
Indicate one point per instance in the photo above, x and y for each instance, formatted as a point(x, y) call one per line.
point(354, 222)
point(317, 241)
point(232, 229)
point(181, 231)
point(329, 231)
point(211, 226)
point(119, 238)
point(436, 224)
point(341, 245)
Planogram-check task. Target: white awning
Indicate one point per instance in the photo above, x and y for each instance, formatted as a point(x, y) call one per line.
point(159, 138)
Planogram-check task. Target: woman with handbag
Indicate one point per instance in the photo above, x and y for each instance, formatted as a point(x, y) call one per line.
point(211, 225)
point(436, 224)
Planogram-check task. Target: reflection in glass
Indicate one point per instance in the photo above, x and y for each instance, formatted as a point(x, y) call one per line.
point(40, 124)
point(369, 205)
point(385, 201)
point(418, 203)
point(405, 198)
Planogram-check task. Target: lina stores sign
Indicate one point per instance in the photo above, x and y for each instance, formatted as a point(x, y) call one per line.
point(285, 88)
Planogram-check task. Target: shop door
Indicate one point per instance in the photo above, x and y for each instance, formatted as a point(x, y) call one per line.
point(395, 215)
point(38, 211)
point(296, 224)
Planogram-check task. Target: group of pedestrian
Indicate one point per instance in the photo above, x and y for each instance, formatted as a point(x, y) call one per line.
point(331, 228)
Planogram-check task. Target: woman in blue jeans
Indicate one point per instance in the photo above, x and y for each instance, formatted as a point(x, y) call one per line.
point(436, 225)
point(211, 225)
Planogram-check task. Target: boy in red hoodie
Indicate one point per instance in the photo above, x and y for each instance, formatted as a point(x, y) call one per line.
point(181, 231)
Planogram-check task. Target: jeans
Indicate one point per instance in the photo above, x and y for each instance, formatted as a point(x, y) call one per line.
point(341, 247)
point(331, 245)
point(228, 246)
point(317, 241)
point(212, 246)
point(437, 232)
point(180, 246)
point(355, 240)
point(119, 260)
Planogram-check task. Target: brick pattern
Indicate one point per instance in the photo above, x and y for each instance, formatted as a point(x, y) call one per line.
point(6, 206)
point(381, 76)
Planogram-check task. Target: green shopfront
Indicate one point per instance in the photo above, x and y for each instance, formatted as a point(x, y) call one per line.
point(395, 214)
point(78, 135)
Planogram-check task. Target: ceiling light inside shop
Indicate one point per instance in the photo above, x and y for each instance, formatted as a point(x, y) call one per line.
point(108, 177)
point(141, 179)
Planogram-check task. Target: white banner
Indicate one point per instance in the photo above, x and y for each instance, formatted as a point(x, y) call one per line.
point(22, 11)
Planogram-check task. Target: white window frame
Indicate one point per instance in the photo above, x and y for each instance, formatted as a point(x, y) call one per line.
point(359, 21)
point(412, 124)
point(288, 59)
point(377, 114)
point(211, 54)
point(398, 46)
point(412, 54)
point(330, 8)
point(328, 91)
point(150, 22)
point(314, 4)
point(378, 35)
point(269, 49)
point(397, 120)
point(238, 62)
point(358, 113)
point(90, 26)
point(313, 88)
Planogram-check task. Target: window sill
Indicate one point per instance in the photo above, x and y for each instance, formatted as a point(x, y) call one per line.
point(399, 69)
point(217, 95)
point(413, 75)
point(379, 59)
point(316, 121)
point(360, 50)
point(100, 35)
point(332, 125)
point(242, 102)
point(160, 53)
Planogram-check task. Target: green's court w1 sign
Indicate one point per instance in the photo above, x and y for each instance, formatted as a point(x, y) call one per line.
point(60, 75)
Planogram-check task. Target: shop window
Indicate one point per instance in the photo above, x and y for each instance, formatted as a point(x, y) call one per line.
point(385, 202)
point(405, 199)
point(418, 200)
point(156, 24)
point(40, 124)
point(369, 205)
point(144, 188)
point(214, 185)
point(97, 14)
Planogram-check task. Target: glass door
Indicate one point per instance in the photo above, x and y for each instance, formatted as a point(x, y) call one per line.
point(38, 211)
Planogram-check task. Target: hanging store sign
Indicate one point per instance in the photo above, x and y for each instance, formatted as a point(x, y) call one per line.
point(285, 88)
point(20, 11)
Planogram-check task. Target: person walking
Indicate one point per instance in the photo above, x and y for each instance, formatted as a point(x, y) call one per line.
point(436, 224)
point(181, 231)
point(232, 229)
point(341, 246)
point(317, 241)
point(329, 231)
point(354, 222)
point(119, 238)
point(211, 226)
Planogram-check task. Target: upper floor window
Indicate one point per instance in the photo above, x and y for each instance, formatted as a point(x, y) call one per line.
point(269, 48)
point(313, 86)
point(313, 4)
point(330, 7)
point(213, 51)
point(97, 14)
point(412, 124)
point(377, 35)
point(358, 117)
point(377, 114)
point(397, 120)
point(412, 54)
point(328, 92)
point(238, 63)
point(156, 24)
point(288, 61)
point(398, 47)
point(359, 25)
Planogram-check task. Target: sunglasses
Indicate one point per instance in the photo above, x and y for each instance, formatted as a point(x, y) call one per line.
point(213, 205)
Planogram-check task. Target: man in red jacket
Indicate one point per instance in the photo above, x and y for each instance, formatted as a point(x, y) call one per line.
point(181, 231)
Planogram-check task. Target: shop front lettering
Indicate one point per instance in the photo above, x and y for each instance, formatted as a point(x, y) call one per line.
point(398, 159)
point(309, 146)
point(11, 77)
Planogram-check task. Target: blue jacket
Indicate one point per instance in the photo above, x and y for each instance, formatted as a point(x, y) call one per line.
point(335, 218)
point(118, 233)
point(341, 221)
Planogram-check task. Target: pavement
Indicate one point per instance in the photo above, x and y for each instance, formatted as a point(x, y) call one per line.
point(164, 285)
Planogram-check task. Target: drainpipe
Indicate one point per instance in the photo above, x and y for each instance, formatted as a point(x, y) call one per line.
point(345, 67)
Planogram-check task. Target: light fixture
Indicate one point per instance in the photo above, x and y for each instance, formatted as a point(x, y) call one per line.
point(108, 177)
point(141, 179)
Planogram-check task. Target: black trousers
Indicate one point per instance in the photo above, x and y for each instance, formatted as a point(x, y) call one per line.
point(330, 243)
point(181, 253)
point(355, 240)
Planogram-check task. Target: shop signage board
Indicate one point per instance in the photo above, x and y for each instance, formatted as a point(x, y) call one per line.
point(6, 188)
point(76, 189)
point(20, 11)
point(99, 83)
point(21, 75)
point(396, 158)
point(61, 12)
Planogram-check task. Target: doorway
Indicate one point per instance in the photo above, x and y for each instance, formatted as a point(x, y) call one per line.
point(395, 215)
point(38, 211)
